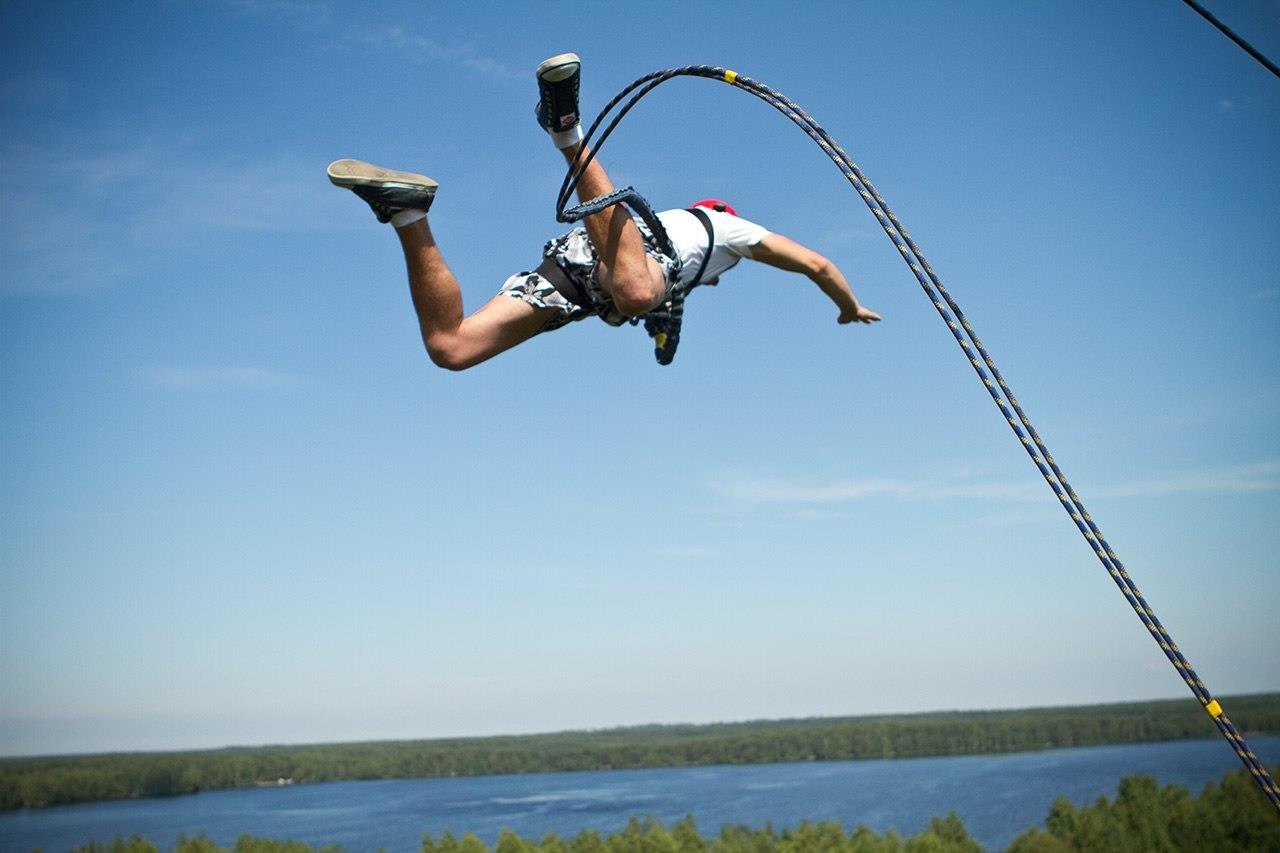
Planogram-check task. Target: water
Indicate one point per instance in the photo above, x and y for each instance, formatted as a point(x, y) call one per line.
point(998, 796)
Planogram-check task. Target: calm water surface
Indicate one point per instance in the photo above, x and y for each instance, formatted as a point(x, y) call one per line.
point(998, 796)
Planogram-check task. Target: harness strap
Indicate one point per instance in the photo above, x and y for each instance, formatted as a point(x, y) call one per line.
point(711, 245)
point(663, 323)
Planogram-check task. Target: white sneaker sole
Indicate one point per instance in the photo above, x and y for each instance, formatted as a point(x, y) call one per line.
point(558, 67)
point(355, 173)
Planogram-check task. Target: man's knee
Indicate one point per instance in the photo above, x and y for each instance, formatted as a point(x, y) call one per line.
point(635, 296)
point(448, 351)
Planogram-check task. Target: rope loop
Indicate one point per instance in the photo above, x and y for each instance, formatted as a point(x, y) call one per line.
point(954, 318)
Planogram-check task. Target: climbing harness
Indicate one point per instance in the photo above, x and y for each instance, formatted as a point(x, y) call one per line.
point(663, 324)
point(963, 333)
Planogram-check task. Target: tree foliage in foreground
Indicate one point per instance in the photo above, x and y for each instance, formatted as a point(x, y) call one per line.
point(39, 782)
point(943, 835)
point(202, 844)
point(1230, 817)
point(1227, 817)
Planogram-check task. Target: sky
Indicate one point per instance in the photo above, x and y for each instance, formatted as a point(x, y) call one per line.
point(238, 505)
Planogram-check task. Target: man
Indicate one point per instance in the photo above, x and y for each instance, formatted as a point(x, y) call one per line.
point(610, 266)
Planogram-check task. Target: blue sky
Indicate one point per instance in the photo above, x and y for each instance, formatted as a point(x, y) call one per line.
point(240, 506)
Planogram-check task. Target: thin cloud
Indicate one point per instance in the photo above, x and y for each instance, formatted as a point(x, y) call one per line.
point(843, 491)
point(277, 195)
point(318, 17)
point(121, 204)
point(40, 260)
point(1021, 515)
point(780, 491)
point(421, 47)
point(493, 68)
point(1237, 479)
point(214, 378)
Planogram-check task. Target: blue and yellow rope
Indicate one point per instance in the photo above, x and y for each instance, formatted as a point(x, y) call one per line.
point(961, 330)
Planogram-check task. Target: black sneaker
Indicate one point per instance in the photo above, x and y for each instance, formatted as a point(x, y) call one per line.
point(387, 192)
point(663, 325)
point(558, 92)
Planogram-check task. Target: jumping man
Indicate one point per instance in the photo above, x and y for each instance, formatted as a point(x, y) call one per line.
point(610, 266)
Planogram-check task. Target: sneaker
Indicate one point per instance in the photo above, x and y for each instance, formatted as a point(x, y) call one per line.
point(558, 92)
point(387, 192)
point(663, 325)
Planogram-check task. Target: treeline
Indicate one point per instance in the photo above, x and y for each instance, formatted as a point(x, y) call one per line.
point(1226, 817)
point(202, 844)
point(39, 782)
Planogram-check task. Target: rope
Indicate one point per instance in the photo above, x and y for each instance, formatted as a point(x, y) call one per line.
point(1226, 31)
point(983, 365)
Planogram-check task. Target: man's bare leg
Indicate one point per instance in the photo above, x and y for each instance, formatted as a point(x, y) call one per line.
point(453, 341)
point(633, 279)
point(623, 268)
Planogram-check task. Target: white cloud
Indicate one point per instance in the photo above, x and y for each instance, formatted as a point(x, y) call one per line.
point(91, 212)
point(211, 378)
point(80, 222)
point(318, 17)
point(493, 68)
point(783, 491)
point(1022, 515)
point(420, 47)
point(275, 195)
point(49, 248)
point(1235, 479)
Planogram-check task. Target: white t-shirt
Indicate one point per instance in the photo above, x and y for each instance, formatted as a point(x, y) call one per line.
point(734, 236)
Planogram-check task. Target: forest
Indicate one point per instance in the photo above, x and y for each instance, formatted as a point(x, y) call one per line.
point(48, 781)
point(1229, 816)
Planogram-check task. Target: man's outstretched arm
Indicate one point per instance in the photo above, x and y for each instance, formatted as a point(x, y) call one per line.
point(786, 254)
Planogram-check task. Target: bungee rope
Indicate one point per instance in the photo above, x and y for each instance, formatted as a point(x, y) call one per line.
point(983, 365)
point(1229, 33)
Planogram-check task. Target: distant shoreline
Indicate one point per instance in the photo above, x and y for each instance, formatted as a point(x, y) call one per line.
point(39, 782)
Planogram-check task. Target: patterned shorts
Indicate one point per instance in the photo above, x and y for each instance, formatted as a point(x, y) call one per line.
point(577, 259)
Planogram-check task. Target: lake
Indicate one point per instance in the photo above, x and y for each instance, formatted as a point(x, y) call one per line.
point(998, 796)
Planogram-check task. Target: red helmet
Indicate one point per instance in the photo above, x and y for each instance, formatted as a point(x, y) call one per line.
point(716, 204)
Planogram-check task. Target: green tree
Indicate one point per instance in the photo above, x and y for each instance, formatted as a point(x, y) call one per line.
point(509, 842)
point(687, 839)
point(200, 844)
point(587, 841)
point(134, 844)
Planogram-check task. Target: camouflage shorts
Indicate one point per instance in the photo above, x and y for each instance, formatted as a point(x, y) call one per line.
point(576, 257)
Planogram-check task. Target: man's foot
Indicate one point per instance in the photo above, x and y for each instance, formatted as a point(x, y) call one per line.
point(663, 325)
point(387, 192)
point(557, 108)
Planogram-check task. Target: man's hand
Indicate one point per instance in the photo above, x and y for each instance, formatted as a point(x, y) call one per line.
point(786, 254)
point(858, 315)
